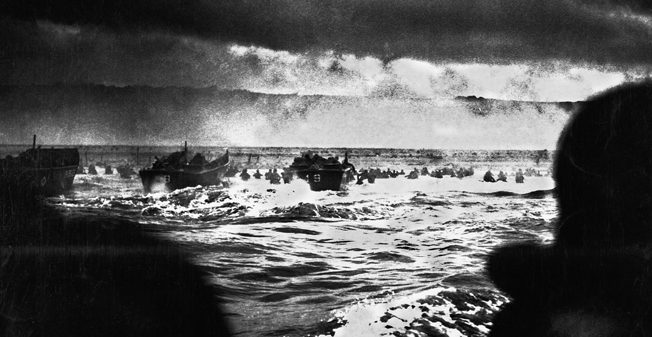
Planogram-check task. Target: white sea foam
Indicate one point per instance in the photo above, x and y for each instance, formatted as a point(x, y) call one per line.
point(398, 256)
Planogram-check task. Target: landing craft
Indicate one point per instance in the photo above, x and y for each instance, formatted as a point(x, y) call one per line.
point(323, 174)
point(48, 171)
point(179, 170)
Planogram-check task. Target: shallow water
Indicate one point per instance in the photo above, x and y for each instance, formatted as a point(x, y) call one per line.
point(398, 256)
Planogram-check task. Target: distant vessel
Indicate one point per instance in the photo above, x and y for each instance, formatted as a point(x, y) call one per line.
point(48, 171)
point(323, 174)
point(178, 170)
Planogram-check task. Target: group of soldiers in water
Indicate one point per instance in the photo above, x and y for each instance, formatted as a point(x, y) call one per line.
point(125, 170)
point(519, 176)
point(272, 175)
point(370, 175)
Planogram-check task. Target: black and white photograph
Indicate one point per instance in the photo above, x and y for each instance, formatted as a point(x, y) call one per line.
point(316, 168)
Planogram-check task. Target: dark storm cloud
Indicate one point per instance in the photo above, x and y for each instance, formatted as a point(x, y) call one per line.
point(449, 30)
point(46, 53)
point(43, 53)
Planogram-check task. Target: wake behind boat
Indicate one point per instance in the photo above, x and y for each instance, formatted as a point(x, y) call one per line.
point(180, 170)
point(323, 173)
point(47, 171)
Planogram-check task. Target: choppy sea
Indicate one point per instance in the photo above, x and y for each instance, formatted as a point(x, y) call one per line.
point(398, 257)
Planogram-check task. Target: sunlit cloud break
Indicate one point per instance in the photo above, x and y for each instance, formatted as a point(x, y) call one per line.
point(348, 75)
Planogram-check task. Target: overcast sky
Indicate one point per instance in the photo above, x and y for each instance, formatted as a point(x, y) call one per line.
point(519, 49)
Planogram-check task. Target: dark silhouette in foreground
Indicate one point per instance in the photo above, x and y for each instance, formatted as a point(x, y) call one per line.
point(596, 279)
point(94, 276)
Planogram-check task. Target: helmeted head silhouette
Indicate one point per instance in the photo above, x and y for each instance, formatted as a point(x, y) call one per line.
point(603, 170)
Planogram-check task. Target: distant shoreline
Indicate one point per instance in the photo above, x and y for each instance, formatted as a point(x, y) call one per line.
point(242, 155)
point(80, 146)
